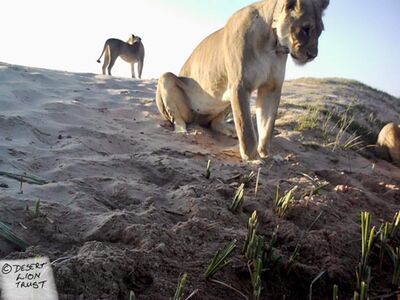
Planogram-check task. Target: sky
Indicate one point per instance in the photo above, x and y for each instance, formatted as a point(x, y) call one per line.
point(361, 39)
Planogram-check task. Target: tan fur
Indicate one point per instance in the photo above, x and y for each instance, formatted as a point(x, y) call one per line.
point(132, 52)
point(248, 54)
point(388, 144)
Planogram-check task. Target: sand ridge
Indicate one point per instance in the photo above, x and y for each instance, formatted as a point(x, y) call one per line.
point(127, 205)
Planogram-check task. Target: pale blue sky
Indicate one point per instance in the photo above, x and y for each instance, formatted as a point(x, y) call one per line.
point(361, 40)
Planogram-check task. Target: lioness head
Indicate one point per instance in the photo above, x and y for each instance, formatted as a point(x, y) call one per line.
point(298, 27)
point(134, 39)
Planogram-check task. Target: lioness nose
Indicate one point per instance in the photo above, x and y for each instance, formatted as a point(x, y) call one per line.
point(311, 55)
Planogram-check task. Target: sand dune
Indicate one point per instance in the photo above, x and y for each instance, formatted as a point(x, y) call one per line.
point(126, 203)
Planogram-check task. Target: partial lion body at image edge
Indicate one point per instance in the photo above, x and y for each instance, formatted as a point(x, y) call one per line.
point(388, 144)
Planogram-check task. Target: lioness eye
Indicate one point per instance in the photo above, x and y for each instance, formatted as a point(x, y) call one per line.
point(306, 30)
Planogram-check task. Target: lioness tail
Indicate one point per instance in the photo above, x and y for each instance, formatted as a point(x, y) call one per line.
point(104, 49)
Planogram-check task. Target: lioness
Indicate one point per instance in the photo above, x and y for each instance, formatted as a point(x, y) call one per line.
point(132, 52)
point(248, 54)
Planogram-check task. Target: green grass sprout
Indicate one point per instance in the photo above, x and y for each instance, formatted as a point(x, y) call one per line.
point(283, 204)
point(238, 199)
point(132, 295)
point(258, 268)
point(220, 260)
point(335, 292)
point(363, 271)
point(257, 182)
point(6, 233)
point(251, 239)
point(180, 289)
point(208, 170)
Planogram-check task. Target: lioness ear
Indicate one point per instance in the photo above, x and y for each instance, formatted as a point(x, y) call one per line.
point(290, 4)
point(293, 5)
point(323, 4)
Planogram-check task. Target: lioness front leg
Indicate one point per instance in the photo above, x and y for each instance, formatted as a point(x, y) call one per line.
point(133, 70)
point(140, 68)
point(268, 98)
point(106, 60)
point(244, 126)
point(172, 101)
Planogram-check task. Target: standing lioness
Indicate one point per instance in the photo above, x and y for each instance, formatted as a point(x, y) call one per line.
point(132, 52)
point(248, 54)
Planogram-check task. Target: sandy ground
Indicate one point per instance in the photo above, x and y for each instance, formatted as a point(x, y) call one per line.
point(127, 207)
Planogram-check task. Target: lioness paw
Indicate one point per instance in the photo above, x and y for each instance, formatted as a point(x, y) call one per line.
point(180, 128)
point(225, 129)
point(262, 152)
point(229, 131)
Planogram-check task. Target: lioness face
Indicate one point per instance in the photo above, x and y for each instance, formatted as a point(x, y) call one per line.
point(299, 27)
point(134, 39)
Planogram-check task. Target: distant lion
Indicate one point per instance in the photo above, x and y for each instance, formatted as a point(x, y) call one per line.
point(388, 144)
point(248, 54)
point(132, 52)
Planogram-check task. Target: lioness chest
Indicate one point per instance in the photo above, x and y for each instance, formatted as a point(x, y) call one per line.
point(265, 67)
point(128, 53)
